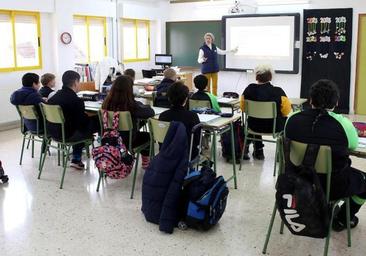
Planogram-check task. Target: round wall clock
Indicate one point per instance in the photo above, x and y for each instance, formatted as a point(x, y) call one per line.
point(66, 38)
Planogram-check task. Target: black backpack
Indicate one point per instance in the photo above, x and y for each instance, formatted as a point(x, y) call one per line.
point(300, 198)
point(238, 139)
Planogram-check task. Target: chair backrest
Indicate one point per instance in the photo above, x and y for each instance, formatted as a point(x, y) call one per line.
point(260, 109)
point(158, 130)
point(53, 113)
point(199, 104)
point(323, 162)
point(28, 112)
point(125, 120)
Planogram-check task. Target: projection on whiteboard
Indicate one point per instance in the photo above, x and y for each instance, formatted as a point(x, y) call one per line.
point(261, 39)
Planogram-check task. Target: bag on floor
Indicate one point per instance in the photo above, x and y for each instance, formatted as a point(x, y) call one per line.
point(238, 139)
point(4, 178)
point(300, 198)
point(206, 197)
point(112, 157)
point(361, 128)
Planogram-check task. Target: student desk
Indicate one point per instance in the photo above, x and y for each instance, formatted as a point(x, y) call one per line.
point(216, 126)
point(296, 103)
point(232, 103)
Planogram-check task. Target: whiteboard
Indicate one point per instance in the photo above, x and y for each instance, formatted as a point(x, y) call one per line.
point(262, 39)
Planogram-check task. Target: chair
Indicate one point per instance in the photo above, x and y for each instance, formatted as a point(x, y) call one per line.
point(323, 165)
point(158, 129)
point(125, 125)
point(261, 110)
point(148, 73)
point(29, 112)
point(53, 114)
point(193, 104)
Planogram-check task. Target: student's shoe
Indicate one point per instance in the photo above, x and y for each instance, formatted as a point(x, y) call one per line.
point(145, 161)
point(258, 154)
point(77, 165)
point(339, 226)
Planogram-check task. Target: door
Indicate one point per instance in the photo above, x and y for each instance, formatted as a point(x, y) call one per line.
point(360, 92)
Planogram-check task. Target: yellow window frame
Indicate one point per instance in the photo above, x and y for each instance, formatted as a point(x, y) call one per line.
point(87, 22)
point(12, 15)
point(136, 21)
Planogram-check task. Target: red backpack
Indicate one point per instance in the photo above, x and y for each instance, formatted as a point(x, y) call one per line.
point(112, 157)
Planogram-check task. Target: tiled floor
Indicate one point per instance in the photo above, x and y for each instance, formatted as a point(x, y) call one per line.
point(37, 218)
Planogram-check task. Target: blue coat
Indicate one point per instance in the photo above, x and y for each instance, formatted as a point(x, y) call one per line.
point(28, 96)
point(163, 180)
point(162, 100)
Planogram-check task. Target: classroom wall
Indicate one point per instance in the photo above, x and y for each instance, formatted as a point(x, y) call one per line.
point(236, 81)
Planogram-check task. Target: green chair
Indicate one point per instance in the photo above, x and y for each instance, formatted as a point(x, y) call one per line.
point(261, 110)
point(323, 165)
point(193, 104)
point(29, 112)
point(53, 114)
point(158, 129)
point(125, 125)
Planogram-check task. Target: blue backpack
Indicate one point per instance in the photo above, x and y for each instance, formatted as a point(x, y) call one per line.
point(207, 196)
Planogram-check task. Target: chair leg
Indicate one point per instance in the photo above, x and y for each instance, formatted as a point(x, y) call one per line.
point(32, 137)
point(134, 176)
point(28, 144)
point(348, 222)
point(326, 246)
point(214, 150)
point(66, 157)
point(43, 160)
point(58, 154)
point(275, 160)
point(282, 227)
point(233, 154)
point(101, 174)
point(22, 151)
point(87, 148)
point(264, 251)
point(242, 152)
point(43, 151)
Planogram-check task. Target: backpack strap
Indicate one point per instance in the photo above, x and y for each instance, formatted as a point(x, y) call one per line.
point(286, 149)
point(310, 156)
point(105, 119)
point(115, 121)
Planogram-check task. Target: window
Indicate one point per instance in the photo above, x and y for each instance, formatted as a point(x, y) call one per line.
point(90, 39)
point(20, 47)
point(135, 40)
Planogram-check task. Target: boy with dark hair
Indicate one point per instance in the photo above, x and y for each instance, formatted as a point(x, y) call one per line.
point(178, 96)
point(263, 90)
point(48, 81)
point(130, 73)
point(78, 125)
point(320, 125)
point(28, 95)
point(201, 82)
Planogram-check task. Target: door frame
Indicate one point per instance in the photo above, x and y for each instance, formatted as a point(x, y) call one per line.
point(358, 59)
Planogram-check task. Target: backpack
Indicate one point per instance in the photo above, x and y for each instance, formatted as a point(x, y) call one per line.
point(238, 139)
point(206, 197)
point(300, 198)
point(112, 157)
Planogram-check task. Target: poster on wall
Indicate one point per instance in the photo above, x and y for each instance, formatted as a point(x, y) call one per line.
point(327, 51)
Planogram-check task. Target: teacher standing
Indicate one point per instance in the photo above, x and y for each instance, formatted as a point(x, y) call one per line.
point(207, 56)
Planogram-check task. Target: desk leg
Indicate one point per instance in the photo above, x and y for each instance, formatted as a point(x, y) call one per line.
point(214, 150)
point(233, 154)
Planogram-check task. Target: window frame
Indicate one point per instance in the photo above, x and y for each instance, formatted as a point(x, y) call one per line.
point(87, 24)
point(12, 14)
point(135, 21)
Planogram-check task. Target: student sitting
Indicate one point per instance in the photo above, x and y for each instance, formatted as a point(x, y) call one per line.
point(201, 82)
point(178, 97)
point(78, 125)
point(320, 125)
point(48, 81)
point(161, 100)
point(120, 98)
point(131, 73)
point(28, 95)
point(263, 90)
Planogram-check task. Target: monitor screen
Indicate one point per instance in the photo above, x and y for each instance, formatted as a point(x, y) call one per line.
point(163, 59)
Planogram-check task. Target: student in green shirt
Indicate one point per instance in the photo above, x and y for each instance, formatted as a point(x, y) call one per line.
point(201, 82)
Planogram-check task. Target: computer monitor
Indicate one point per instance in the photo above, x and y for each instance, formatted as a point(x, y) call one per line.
point(163, 59)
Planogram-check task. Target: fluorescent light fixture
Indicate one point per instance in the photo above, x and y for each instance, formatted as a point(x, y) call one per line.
point(280, 2)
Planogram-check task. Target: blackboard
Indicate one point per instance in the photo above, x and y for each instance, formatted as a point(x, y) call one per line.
point(183, 40)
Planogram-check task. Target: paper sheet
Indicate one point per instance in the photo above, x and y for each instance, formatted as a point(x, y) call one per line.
point(204, 118)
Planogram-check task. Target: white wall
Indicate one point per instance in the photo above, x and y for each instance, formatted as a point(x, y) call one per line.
point(236, 81)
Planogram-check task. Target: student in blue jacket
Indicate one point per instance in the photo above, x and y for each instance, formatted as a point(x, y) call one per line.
point(29, 95)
